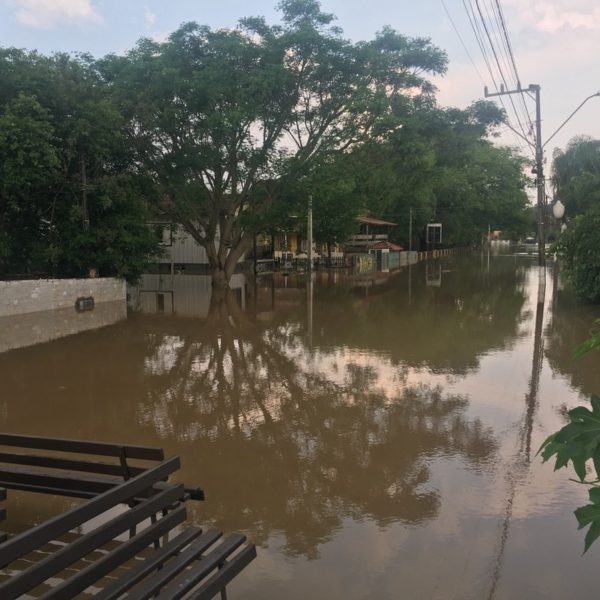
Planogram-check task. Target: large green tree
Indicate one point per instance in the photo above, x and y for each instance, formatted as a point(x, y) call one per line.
point(440, 164)
point(215, 114)
point(28, 161)
point(576, 179)
point(70, 197)
point(576, 175)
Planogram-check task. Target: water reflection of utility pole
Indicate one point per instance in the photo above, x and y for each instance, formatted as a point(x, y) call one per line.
point(309, 234)
point(531, 399)
point(410, 223)
point(520, 469)
point(554, 290)
point(309, 308)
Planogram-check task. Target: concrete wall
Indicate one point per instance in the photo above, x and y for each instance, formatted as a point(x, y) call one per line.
point(23, 297)
point(18, 331)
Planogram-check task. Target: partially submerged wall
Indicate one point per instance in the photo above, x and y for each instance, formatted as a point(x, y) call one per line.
point(36, 311)
point(29, 296)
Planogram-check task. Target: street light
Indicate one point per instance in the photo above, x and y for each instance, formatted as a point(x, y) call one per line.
point(596, 95)
point(558, 210)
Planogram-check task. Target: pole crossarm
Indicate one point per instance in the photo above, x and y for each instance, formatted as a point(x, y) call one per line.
point(570, 116)
point(519, 90)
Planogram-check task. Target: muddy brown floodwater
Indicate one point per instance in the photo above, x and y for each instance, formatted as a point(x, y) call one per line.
point(375, 436)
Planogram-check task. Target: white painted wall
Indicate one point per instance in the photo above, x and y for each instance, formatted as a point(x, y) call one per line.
point(29, 296)
point(184, 249)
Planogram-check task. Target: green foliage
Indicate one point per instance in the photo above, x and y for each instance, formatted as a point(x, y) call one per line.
point(230, 131)
point(70, 199)
point(439, 163)
point(578, 442)
point(578, 247)
point(576, 175)
point(229, 122)
point(593, 343)
point(577, 184)
point(28, 160)
point(590, 515)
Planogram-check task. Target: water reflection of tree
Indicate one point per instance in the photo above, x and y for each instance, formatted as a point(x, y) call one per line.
point(284, 447)
point(445, 329)
point(280, 444)
point(569, 326)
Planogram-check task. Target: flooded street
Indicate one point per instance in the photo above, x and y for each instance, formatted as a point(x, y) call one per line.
point(375, 436)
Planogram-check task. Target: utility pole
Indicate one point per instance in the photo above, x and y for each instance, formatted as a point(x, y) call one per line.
point(410, 232)
point(541, 188)
point(539, 163)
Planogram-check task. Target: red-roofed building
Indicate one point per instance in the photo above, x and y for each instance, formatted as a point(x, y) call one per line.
point(372, 231)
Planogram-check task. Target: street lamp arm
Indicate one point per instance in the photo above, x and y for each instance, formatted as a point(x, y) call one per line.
point(569, 117)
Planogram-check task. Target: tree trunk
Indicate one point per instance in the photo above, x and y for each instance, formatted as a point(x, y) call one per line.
point(220, 280)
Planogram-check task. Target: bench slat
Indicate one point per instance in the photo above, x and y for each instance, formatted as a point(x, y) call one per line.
point(201, 569)
point(116, 588)
point(81, 446)
point(158, 560)
point(29, 540)
point(26, 478)
point(195, 493)
point(68, 464)
point(127, 550)
point(33, 576)
point(222, 577)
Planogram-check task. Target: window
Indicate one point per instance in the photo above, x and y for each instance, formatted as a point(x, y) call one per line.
point(163, 233)
point(434, 233)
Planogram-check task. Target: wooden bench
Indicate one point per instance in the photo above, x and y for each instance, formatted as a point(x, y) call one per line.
point(71, 467)
point(88, 545)
point(122, 554)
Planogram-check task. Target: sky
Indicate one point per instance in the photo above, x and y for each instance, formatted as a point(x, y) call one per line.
point(556, 43)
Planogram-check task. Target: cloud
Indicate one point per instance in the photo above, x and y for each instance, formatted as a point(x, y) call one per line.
point(150, 20)
point(551, 16)
point(46, 14)
point(149, 17)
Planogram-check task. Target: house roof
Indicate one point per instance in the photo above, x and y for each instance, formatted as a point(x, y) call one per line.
point(385, 245)
point(372, 221)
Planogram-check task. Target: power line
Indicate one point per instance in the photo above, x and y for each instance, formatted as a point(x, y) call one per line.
point(479, 38)
point(503, 36)
point(512, 57)
point(462, 42)
point(500, 70)
point(494, 20)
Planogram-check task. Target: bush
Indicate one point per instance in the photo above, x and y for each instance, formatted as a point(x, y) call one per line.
point(579, 248)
